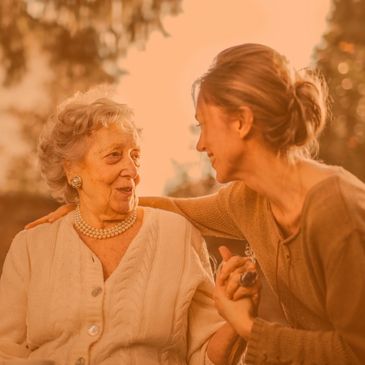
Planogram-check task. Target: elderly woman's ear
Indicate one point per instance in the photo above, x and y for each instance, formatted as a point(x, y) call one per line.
point(72, 174)
point(68, 168)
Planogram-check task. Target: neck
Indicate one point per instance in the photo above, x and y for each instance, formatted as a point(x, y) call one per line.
point(281, 182)
point(103, 217)
point(103, 233)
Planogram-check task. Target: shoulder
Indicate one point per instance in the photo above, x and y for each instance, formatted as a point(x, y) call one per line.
point(337, 201)
point(173, 227)
point(352, 194)
point(334, 216)
point(170, 221)
point(41, 237)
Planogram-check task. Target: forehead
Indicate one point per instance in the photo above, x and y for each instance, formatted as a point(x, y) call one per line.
point(115, 134)
point(200, 108)
point(206, 110)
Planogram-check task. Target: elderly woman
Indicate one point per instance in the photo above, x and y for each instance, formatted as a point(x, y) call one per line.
point(109, 283)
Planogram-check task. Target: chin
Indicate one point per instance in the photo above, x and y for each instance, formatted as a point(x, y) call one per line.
point(223, 178)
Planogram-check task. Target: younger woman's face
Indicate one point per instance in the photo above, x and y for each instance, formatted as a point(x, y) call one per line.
point(220, 139)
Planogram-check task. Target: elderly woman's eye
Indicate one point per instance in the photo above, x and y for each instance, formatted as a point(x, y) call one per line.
point(113, 156)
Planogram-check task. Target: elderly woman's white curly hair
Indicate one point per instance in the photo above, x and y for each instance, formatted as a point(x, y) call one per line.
point(67, 134)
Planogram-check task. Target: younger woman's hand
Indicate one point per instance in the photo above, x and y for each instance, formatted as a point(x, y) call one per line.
point(53, 216)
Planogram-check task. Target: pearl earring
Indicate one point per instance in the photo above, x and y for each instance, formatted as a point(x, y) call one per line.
point(76, 182)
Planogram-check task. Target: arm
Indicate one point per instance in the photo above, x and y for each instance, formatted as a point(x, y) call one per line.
point(13, 301)
point(345, 302)
point(53, 216)
point(225, 347)
point(211, 214)
point(210, 339)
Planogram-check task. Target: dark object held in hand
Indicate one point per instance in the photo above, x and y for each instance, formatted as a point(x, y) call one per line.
point(248, 279)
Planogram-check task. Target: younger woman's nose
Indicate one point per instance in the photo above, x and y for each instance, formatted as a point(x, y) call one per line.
point(200, 145)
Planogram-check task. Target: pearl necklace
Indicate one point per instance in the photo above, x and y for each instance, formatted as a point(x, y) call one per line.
point(102, 233)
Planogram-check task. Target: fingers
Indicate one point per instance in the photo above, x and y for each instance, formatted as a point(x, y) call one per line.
point(234, 290)
point(60, 212)
point(241, 292)
point(225, 252)
point(235, 264)
point(53, 216)
point(37, 222)
point(256, 299)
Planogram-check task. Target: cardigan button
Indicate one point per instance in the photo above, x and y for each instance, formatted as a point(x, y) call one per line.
point(80, 361)
point(93, 330)
point(96, 291)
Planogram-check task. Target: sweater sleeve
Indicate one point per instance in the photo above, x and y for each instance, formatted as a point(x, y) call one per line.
point(344, 271)
point(13, 300)
point(203, 317)
point(209, 213)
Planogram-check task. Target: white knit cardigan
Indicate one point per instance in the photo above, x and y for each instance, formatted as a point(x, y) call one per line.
point(155, 308)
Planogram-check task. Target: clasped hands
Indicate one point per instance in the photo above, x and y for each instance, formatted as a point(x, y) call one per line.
point(237, 304)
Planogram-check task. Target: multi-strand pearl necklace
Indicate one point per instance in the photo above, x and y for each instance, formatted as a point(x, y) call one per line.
point(102, 233)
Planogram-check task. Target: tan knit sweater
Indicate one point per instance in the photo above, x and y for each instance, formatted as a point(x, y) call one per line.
point(155, 308)
point(318, 274)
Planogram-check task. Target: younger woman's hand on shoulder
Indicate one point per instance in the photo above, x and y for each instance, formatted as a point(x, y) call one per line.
point(53, 216)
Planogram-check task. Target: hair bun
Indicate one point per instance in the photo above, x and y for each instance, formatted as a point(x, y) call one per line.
point(306, 110)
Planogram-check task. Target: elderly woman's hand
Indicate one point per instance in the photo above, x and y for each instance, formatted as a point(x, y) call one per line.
point(238, 313)
point(231, 273)
point(53, 216)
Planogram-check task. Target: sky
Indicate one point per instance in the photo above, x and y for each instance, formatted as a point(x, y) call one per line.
point(158, 84)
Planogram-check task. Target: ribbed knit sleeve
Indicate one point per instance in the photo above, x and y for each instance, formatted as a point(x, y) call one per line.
point(344, 272)
point(13, 300)
point(203, 317)
point(209, 213)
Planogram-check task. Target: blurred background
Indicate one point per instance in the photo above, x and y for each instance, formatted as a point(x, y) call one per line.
point(152, 51)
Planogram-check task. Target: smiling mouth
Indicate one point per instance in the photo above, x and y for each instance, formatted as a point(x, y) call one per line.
point(126, 190)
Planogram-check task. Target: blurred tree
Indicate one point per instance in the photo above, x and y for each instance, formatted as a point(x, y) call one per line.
point(83, 35)
point(82, 40)
point(341, 58)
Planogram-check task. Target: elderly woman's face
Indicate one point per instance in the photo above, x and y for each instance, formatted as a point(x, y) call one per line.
point(109, 171)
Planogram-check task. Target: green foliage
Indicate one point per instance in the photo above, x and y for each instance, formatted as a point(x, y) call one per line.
point(341, 57)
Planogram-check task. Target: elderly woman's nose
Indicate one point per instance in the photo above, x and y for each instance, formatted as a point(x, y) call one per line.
point(129, 168)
